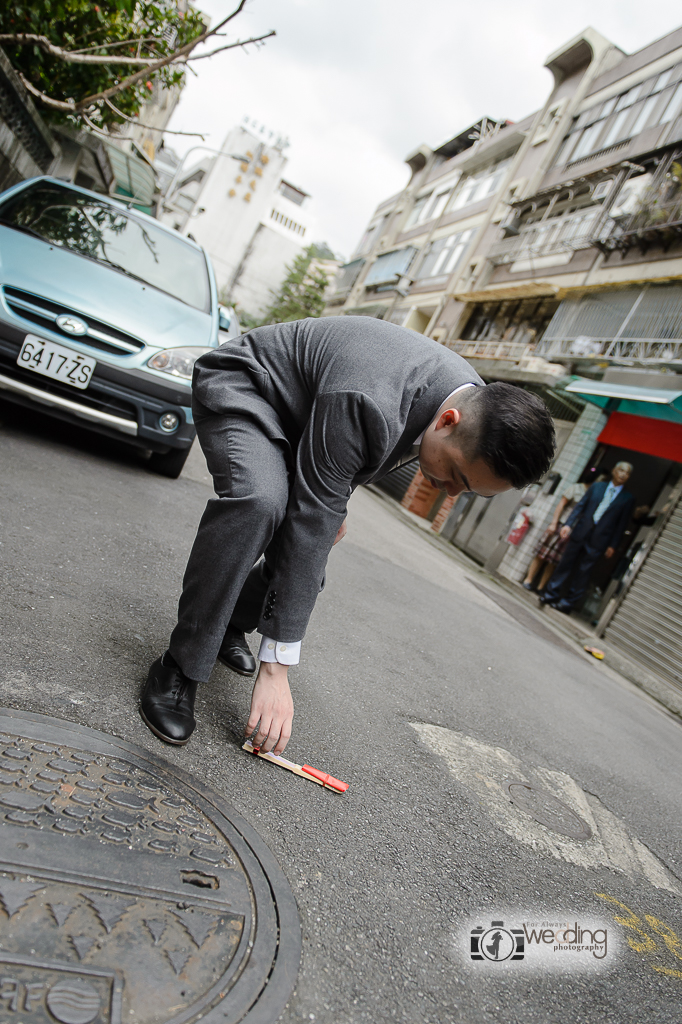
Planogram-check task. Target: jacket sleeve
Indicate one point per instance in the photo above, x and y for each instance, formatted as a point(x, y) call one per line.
point(621, 522)
point(579, 508)
point(346, 433)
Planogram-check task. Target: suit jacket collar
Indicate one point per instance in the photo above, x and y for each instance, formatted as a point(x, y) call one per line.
point(622, 495)
point(427, 401)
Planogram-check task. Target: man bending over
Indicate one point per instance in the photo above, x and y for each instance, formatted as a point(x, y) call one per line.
point(291, 419)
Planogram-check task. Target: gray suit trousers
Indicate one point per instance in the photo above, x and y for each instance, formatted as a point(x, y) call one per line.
point(224, 583)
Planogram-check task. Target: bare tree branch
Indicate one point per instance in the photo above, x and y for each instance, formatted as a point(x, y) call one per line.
point(47, 100)
point(179, 56)
point(165, 131)
point(231, 46)
point(27, 39)
point(95, 127)
point(169, 59)
point(111, 46)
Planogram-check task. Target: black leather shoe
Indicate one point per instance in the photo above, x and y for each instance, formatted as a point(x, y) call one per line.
point(167, 704)
point(236, 653)
point(549, 601)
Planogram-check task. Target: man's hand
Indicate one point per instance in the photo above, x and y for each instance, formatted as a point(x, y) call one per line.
point(272, 709)
point(609, 553)
point(565, 532)
point(341, 534)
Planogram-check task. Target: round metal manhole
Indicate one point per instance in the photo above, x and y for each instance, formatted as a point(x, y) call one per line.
point(129, 892)
point(548, 810)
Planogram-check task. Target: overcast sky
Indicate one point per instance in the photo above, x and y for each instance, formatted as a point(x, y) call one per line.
point(358, 84)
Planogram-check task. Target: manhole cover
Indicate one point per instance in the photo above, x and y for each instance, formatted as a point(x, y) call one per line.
point(129, 892)
point(548, 810)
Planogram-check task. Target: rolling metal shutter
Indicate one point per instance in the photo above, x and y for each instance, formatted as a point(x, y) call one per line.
point(648, 624)
point(396, 482)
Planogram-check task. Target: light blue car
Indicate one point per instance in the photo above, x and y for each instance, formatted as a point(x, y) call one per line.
point(103, 312)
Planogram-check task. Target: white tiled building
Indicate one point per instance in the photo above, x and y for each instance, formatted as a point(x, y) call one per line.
point(251, 220)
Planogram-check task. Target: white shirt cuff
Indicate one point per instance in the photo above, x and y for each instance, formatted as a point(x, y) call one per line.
point(286, 654)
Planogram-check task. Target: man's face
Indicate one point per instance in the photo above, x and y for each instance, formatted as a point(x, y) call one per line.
point(446, 467)
point(620, 475)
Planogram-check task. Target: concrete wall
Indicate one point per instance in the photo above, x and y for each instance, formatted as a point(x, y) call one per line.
point(263, 270)
point(249, 229)
point(27, 147)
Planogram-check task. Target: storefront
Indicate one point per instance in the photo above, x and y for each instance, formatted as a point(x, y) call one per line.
point(641, 611)
point(647, 622)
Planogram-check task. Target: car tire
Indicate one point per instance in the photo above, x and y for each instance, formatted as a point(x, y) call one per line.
point(171, 463)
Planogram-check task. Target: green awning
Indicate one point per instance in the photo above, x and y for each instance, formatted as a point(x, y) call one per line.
point(656, 403)
point(134, 177)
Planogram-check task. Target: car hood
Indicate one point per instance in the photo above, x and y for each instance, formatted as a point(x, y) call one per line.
point(81, 284)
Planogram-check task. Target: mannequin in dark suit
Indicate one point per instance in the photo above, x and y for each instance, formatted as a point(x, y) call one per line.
point(595, 527)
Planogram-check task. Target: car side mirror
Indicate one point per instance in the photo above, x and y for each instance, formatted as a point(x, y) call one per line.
point(224, 319)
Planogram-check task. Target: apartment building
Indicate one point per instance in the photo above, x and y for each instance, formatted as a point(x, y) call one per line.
point(549, 253)
point(250, 218)
point(416, 245)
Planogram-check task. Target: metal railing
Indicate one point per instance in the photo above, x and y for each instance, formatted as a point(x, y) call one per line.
point(659, 214)
point(640, 349)
point(644, 324)
point(511, 350)
point(544, 238)
point(659, 211)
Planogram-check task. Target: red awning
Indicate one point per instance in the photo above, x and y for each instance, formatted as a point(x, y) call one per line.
point(643, 434)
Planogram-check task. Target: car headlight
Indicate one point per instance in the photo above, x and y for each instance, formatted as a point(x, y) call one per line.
point(178, 362)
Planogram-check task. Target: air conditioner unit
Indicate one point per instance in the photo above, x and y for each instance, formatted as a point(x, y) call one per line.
point(630, 196)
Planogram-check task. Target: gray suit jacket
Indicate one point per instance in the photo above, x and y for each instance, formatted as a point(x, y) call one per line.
point(351, 395)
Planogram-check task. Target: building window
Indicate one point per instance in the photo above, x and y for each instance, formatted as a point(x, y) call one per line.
point(287, 222)
point(479, 186)
point(673, 106)
point(654, 101)
point(388, 268)
point(438, 205)
point(293, 194)
point(417, 210)
point(518, 320)
point(443, 255)
point(347, 276)
point(372, 235)
point(367, 240)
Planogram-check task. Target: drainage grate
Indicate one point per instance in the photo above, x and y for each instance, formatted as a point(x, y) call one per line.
point(129, 891)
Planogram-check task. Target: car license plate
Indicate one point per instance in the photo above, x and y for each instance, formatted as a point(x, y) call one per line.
point(56, 361)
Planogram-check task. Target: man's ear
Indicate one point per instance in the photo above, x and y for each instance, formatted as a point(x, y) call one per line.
point(449, 418)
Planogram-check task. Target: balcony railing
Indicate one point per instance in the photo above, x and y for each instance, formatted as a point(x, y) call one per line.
point(657, 221)
point(545, 238)
point(510, 350)
point(642, 324)
point(640, 350)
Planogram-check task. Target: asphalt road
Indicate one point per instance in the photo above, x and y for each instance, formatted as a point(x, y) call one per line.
point(419, 690)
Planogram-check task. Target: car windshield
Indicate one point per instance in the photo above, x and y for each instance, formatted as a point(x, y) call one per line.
point(104, 233)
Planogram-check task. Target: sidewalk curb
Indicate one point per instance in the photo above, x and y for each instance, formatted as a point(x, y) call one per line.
point(564, 627)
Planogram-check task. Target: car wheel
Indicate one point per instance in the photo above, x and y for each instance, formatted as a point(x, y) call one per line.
point(171, 463)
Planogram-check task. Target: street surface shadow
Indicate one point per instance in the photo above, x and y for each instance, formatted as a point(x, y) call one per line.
point(54, 431)
point(526, 618)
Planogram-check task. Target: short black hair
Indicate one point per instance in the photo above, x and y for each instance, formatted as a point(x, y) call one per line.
point(510, 429)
